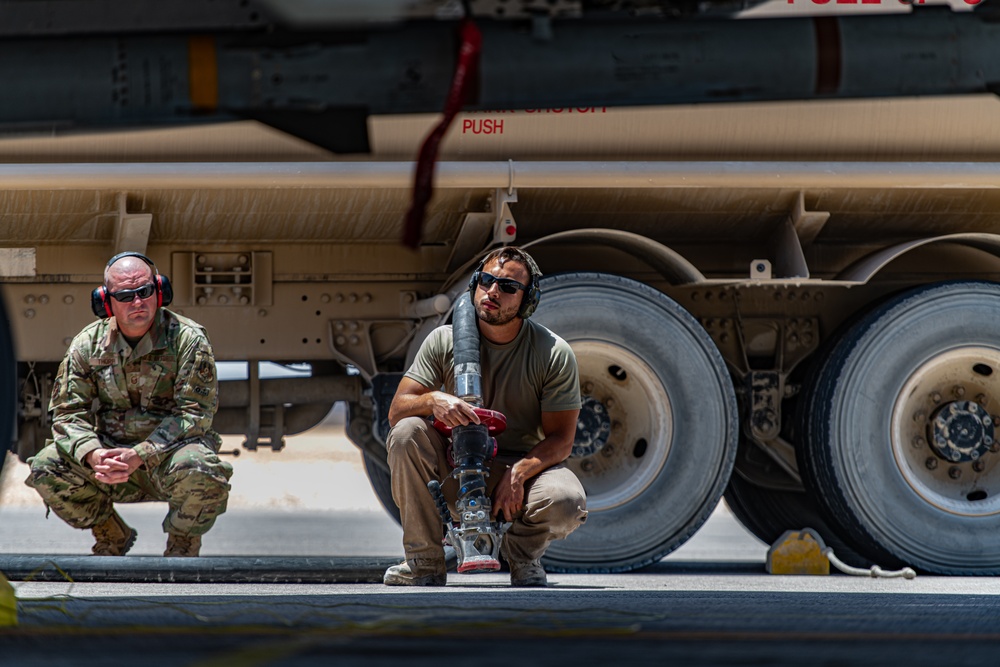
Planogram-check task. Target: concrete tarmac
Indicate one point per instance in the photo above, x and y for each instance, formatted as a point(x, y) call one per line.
point(709, 603)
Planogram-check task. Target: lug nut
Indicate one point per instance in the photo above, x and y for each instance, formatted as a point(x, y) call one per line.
point(918, 442)
point(931, 463)
point(936, 397)
point(954, 472)
point(979, 465)
point(958, 390)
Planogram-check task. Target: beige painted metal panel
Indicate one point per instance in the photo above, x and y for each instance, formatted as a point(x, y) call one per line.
point(933, 128)
point(915, 129)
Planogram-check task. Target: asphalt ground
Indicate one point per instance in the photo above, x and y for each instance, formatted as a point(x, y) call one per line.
point(309, 510)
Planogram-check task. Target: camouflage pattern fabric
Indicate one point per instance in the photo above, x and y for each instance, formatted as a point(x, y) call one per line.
point(191, 479)
point(158, 398)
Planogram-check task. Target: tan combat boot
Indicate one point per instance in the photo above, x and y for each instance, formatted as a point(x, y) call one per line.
point(527, 574)
point(402, 575)
point(183, 545)
point(114, 537)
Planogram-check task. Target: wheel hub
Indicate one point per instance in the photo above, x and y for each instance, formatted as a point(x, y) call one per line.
point(961, 431)
point(592, 428)
point(629, 419)
point(944, 430)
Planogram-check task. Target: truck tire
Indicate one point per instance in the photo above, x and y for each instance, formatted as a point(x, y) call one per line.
point(380, 480)
point(899, 432)
point(657, 436)
point(8, 384)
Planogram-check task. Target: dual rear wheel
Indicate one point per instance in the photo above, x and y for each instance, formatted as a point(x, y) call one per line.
point(899, 442)
point(896, 443)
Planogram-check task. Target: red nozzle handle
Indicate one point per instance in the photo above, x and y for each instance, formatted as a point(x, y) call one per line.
point(494, 421)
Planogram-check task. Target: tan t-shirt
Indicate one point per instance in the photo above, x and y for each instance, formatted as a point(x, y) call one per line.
point(534, 373)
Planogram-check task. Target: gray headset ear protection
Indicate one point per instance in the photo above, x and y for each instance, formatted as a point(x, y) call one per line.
point(100, 300)
point(532, 294)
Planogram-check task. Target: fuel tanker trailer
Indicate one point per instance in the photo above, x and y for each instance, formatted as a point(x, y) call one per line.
point(772, 243)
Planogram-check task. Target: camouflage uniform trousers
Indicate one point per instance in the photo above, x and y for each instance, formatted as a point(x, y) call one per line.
point(191, 478)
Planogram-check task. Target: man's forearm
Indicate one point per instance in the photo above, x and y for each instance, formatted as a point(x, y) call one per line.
point(411, 405)
point(75, 436)
point(547, 453)
point(169, 435)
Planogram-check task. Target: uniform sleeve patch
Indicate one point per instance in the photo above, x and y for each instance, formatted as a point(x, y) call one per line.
point(206, 371)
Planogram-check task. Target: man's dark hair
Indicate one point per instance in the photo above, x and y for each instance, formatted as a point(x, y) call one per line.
point(515, 254)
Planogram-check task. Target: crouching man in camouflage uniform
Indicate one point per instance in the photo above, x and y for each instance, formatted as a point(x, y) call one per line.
point(132, 408)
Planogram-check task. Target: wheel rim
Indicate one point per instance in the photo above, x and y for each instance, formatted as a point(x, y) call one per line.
point(626, 392)
point(943, 431)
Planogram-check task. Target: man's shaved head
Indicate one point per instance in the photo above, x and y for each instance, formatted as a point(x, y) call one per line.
point(126, 266)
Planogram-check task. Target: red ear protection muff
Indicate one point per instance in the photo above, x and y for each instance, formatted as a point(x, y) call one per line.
point(100, 300)
point(531, 295)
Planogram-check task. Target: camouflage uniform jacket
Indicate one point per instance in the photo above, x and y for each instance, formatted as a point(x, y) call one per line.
point(151, 398)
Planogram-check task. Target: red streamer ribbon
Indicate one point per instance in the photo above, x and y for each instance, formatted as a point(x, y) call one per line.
point(463, 80)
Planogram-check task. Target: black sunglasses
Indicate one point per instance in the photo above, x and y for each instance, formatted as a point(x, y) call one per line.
point(506, 285)
point(127, 295)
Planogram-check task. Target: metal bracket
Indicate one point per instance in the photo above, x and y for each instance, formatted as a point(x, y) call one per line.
point(351, 342)
point(789, 260)
point(728, 336)
point(272, 435)
point(223, 278)
point(504, 227)
point(473, 237)
point(766, 388)
point(760, 269)
point(131, 229)
point(481, 230)
point(807, 224)
point(763, 426)
point(788, 341)
point(792, 235)
point(783, 453)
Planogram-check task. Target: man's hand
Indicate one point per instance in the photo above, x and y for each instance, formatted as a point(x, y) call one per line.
point(508, 497)
point(452, 410)
point(113, 466)
point(560, 429)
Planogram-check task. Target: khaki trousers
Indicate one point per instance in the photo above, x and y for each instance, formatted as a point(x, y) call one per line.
point(555, 502)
